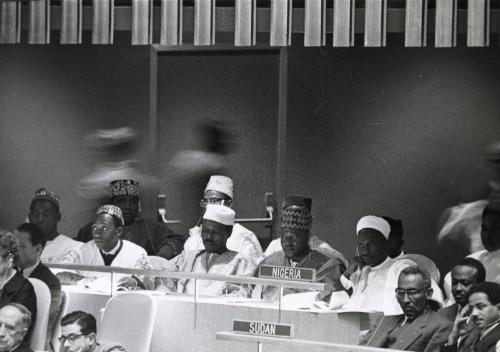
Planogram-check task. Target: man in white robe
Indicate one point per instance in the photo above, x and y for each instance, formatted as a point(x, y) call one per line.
point(107, 248)
point(44, 212)
point(215, 258)
point(219, 190)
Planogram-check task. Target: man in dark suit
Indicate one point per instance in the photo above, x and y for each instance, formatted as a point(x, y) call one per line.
point(420, 329)
point(31, 243)
point(15, 320)
point(467, 273)
point(485, 302)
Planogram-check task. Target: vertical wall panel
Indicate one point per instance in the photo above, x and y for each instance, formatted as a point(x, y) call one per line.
point(171, 22)
point(71, 21)
point(343, 23)
point(446, 23)
point(244, 22)
point(142, 22)
point(281, 22)
point(314, 22)
point(39, 25)
point(478, 23)
point(102, 21)
point(204, 22)
point(416, 23)
point(375, 22)
point(10, 22)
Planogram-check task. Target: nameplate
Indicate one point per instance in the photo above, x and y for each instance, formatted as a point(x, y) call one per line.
point(262, 328)
point(287, 273)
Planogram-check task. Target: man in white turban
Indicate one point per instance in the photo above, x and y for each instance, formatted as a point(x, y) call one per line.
point(214, 258)
point(219, 190)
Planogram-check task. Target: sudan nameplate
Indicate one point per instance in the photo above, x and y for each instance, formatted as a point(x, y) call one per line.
point(262, 328)
point(287, 273)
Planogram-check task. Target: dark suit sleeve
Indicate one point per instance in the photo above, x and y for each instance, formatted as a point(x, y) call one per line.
point(439, 337)
point(27, 297)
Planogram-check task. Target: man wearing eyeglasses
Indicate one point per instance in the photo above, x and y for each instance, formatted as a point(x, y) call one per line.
point(219, 190)
point(419, 329)
point(15, 320)
point(78, 334)
point(155, 237)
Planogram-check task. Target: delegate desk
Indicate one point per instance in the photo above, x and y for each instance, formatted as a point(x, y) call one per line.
point(188, 323)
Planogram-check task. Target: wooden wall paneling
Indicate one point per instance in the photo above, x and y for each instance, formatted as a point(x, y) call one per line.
point(10, 22)
point(375, 22)
point(142, 22)
point(314, 22)
point(416, 23)
point(39, 22)
point(478, 23)
point(446, 23)
point(204, 22)
point(71, 21)
point(245, 15)
point(281, 22)
point(343, 23)
point(171, 22)
point(102, 21)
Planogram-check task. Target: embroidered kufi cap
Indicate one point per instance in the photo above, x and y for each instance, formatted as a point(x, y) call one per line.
point(296, 213)
point(374, 222)
point(222, 184)
point(111, 210)
point(219, 213)
point(124, 188)
point(44, 194)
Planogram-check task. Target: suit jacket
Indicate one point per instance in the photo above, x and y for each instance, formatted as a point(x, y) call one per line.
point(424, 334)
point(23, 347)
point(486, 344)
point(19, 290)
point(44, 274)
point(450, 312)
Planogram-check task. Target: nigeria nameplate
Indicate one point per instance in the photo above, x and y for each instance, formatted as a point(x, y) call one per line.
point(262, 328)
point(287, 273)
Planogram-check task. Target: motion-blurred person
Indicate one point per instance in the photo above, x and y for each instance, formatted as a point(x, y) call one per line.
point(15, 320)
point(464, 275)
point(219, 190)
point(31, 241)
point(155, 237)
point(79, 334)
point(107, 248)
point(44, 212)
point(376, 276)
point(396, 241)
point(193, 167)
point(216, 258)
point(419, 329)
point(296, 224)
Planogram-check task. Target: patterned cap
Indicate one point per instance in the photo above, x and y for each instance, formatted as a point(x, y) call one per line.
point(296, 213)
point(111, 210)
point(44, 194)
point(222, 184)
point(124, 188)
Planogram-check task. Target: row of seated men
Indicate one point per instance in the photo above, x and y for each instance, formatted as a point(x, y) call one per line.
point(370, 282)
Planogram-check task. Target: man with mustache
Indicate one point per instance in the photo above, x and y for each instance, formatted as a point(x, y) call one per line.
point(467, 273)
point(215, 258)
point(296, 223)
point(375, 278)
point(419, 329)
point(155, 237)
point(485, 302)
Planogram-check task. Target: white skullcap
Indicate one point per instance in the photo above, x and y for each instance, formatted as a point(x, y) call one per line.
point(219, 213)
point(375, 223)
point(222, 184)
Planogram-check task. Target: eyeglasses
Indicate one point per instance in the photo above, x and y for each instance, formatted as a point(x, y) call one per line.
point(411, 292)
point(221, 201)
point(71, 338)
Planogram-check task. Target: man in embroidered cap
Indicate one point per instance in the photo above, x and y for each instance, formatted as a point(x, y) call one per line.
point(219, 190)
point(376, 277)
point(44, 212)
point(107, 248)
point(155, 237)
point(215, 258)
point(296, 223)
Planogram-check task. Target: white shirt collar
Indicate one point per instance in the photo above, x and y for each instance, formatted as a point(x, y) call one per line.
point(381, 265)
point(27, 271)
point(113, 251)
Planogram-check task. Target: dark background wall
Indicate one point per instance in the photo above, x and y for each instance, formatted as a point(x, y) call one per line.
point(388, 131)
